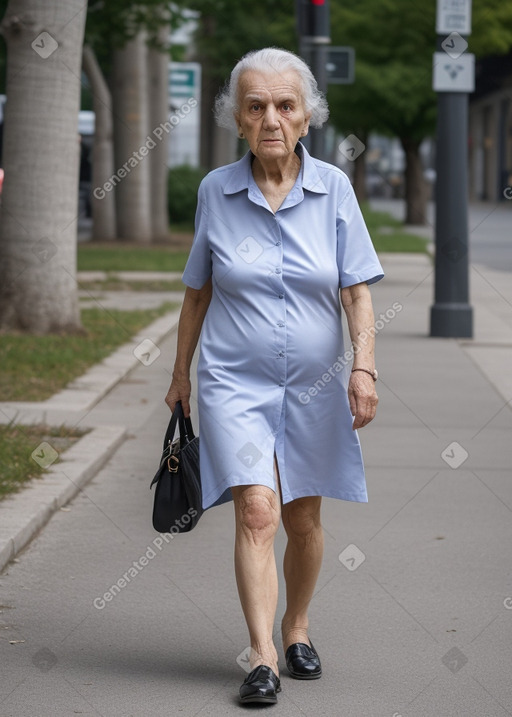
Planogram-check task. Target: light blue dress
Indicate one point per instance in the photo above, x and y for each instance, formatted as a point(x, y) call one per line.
point(272, 375)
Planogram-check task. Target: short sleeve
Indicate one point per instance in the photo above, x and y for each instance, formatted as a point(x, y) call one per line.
point(357, 258)
point(199, 265)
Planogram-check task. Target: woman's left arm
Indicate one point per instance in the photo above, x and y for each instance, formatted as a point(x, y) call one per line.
point(357, 303)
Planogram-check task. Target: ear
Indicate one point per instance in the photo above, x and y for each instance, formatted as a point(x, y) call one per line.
point(305, 128)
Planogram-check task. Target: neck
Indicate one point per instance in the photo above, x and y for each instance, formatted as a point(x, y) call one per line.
point(277, 171)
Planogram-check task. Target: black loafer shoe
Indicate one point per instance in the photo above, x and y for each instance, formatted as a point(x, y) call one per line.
point(303, 662)
point(260, 685)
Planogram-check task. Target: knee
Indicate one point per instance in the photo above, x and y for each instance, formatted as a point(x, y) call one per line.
point(301, 520)
point(258, 515)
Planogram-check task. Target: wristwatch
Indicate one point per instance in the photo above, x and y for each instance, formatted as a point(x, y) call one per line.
point(374, 374)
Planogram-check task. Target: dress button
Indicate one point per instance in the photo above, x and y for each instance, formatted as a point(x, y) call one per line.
point(281, 354)
point(278, 270)
point(281, 296)
point(278, 243)
point(280, 324)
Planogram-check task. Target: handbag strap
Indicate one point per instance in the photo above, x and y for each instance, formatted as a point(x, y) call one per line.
point(185, 424)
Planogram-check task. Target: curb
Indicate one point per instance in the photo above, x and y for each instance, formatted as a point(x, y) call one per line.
point(24, 514)
point(87, 390)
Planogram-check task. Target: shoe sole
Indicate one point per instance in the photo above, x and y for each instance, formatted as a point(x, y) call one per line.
point(268, 700)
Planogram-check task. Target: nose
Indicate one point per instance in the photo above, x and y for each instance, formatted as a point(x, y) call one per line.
point(271, 118)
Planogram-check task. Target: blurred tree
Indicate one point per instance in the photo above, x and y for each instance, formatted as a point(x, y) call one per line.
point(103, 203)
point(227, 30)
point(40, 192)
point(130, 42)
point(394, 42)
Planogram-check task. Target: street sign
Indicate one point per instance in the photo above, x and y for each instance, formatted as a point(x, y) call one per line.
point(454, 75)
point(340, 65)
point(453, 16)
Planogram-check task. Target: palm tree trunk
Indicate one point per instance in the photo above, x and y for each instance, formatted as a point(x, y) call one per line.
point(158, 107)
point(103, 202)
point(38, 233)
point(131, 145)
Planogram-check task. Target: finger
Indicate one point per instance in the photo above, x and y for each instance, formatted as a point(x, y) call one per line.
point(185, 404)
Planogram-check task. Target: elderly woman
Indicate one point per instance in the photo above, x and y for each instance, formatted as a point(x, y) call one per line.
point(280, 246)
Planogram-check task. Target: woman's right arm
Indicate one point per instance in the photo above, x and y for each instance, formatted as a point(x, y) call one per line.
point(193, 311)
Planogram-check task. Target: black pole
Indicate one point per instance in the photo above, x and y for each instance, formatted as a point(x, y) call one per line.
point(451, 315)
point(314, 31)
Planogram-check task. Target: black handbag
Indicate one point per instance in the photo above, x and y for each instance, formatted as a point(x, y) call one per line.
point(178, 499)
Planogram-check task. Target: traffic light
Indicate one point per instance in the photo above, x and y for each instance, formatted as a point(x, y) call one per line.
point(313, 20)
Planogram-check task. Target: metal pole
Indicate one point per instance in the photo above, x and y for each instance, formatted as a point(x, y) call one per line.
point(451, 315)
point(319, 69)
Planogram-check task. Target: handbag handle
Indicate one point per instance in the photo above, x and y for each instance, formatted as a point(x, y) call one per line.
point(186, 430)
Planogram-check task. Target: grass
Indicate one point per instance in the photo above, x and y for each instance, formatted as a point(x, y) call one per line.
point(17, 443)
point(36, 367)
point(387, 234)
point(114, 283)
point(126, 257)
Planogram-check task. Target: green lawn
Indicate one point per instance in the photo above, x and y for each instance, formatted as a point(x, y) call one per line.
point(17, 443)
point(36, 367)
point(126, 257)
point(387, 235)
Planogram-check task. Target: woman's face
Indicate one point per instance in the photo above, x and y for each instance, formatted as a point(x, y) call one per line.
point(271, 116)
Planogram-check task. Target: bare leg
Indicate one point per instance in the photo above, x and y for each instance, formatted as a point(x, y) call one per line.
point(257, 511)
point(302, 563)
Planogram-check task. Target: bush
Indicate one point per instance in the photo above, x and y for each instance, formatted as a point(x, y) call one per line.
point(183, 183)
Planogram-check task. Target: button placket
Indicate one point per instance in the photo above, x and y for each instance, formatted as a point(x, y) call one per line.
point(281, 308)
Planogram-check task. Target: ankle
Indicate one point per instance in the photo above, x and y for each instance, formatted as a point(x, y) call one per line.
point(294, 632)
point(264, 656)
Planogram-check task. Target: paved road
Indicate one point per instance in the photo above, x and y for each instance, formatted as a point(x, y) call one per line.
point(413, 620)
point(490, 230)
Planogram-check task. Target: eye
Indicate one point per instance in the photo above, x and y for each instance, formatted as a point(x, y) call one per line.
point(255, 107)
point(287, 107)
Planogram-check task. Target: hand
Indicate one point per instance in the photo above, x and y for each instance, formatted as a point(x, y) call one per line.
point(363, 398)
point(179, 390)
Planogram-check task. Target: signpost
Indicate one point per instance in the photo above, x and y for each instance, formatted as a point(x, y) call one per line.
point(453, 77)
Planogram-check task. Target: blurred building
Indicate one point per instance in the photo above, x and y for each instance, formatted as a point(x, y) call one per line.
point(490, 130)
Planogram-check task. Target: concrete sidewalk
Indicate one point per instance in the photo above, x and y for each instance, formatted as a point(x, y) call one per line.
point(413, 611)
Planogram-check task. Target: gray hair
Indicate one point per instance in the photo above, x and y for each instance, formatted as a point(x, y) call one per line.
point(275, 60)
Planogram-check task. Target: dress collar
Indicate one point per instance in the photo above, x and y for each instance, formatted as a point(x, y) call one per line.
point(241, 177)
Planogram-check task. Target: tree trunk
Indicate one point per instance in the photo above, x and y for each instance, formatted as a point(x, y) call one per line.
point(132, 144)
point(103, 202)
point(158, 106)
point(415, 186)
point(209, 89)
point(38, 234)
point(359, 179)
